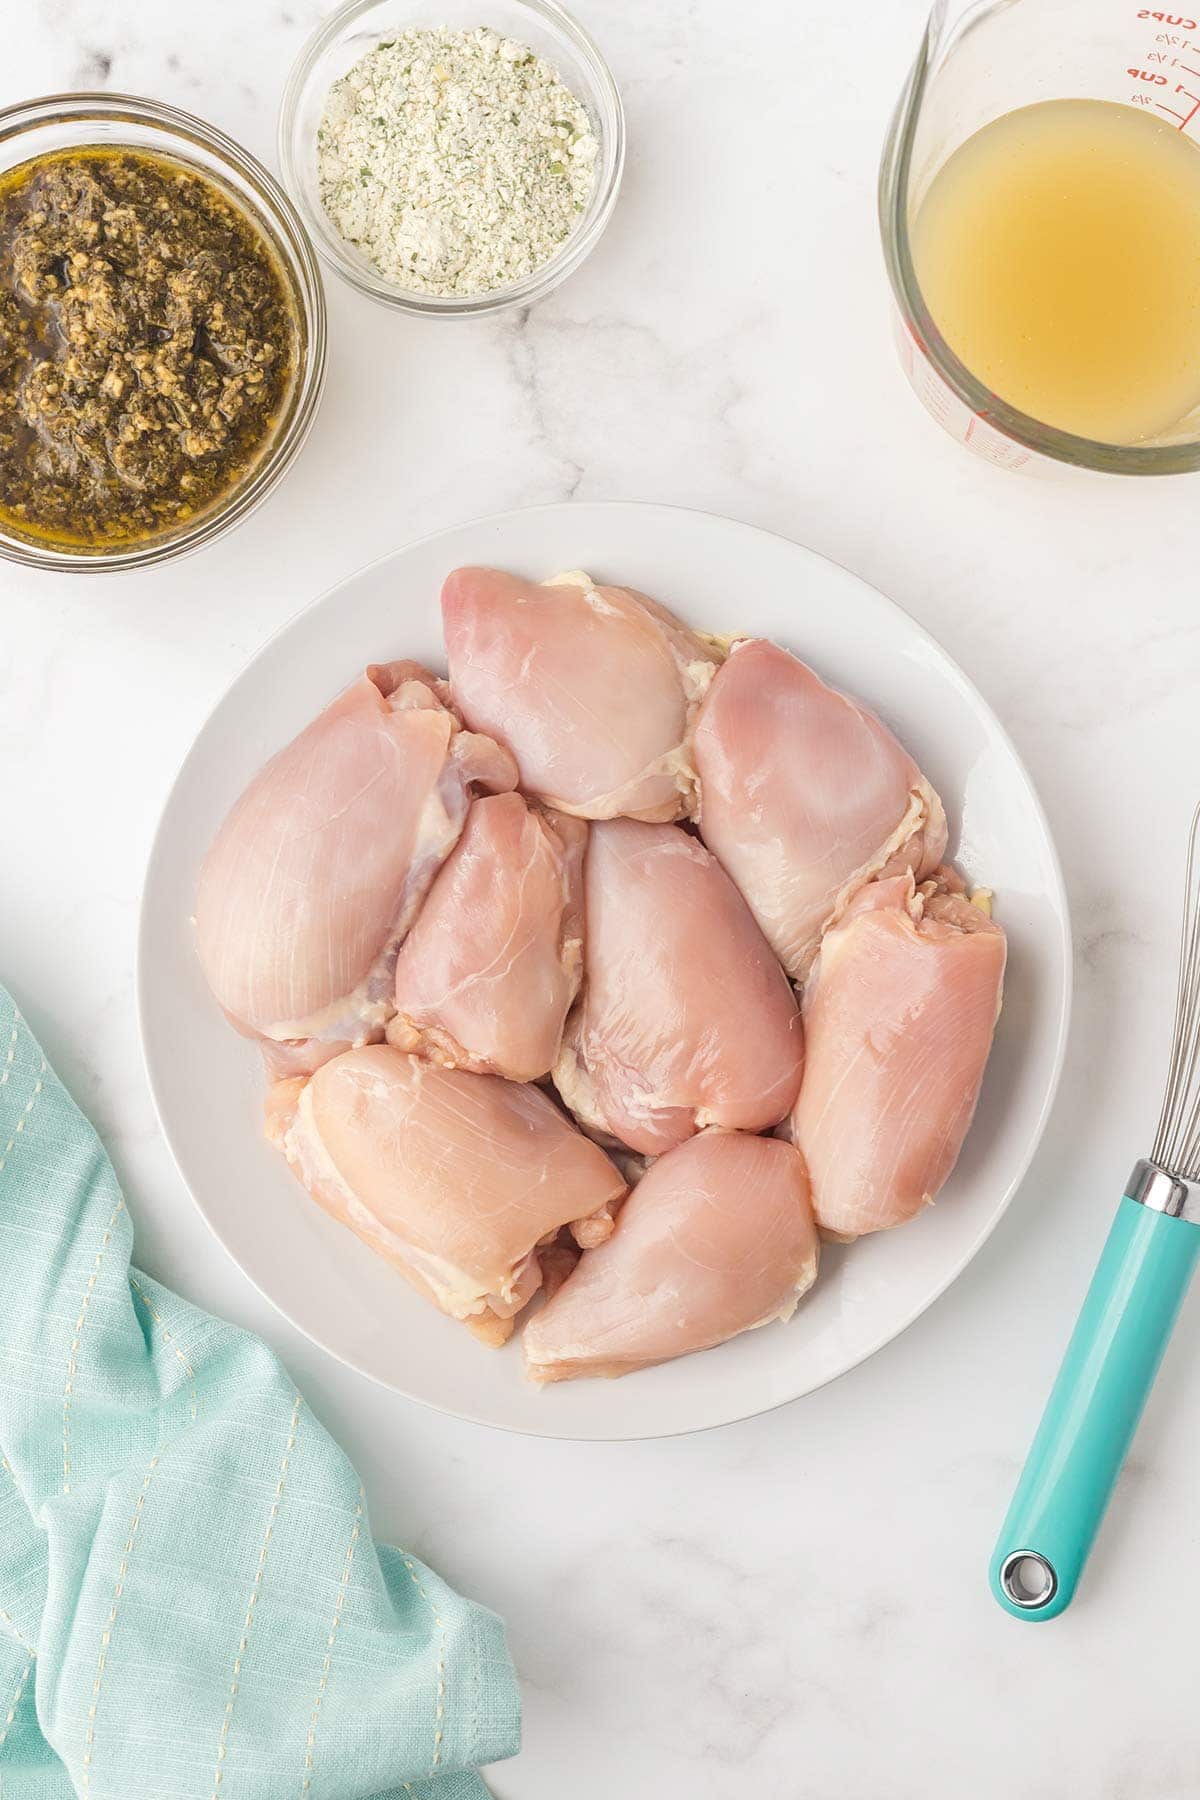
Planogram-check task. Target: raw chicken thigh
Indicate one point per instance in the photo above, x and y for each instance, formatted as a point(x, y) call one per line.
point(686, 1018)
point(487, 973)
point(316, 874)
point(592, 688)
point(717, 1239)
point(805, 795)
point(453, 1178)
point(899, 1014)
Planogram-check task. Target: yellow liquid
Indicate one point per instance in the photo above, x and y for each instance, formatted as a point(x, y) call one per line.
point(1058, 251)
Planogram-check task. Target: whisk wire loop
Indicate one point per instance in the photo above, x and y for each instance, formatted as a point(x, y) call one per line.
point(1177, 1140)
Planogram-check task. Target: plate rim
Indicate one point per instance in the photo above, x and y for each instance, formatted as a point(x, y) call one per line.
point(1064, 947)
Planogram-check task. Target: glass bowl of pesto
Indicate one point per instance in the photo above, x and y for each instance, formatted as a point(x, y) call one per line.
point(452, 158)
point(162, 332)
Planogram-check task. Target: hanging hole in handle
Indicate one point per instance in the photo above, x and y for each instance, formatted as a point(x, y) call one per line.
point(1028, 1580)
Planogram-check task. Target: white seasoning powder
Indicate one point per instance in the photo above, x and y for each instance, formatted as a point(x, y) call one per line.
point(456, 161)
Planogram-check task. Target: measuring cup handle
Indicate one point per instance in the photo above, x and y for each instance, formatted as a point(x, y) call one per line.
point(1093, 1411)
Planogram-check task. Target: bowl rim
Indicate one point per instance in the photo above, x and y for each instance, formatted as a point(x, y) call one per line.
point(295, 250)
point(543, 280)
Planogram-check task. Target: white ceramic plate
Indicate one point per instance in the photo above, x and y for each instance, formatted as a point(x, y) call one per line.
point(725, 577)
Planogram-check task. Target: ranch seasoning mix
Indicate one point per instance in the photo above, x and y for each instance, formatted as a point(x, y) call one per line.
point(457, 162)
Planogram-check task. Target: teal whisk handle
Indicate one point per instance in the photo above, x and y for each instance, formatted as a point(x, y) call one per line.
point(1093, 1412)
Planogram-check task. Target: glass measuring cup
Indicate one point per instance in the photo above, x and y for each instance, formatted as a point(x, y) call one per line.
point(982, 59)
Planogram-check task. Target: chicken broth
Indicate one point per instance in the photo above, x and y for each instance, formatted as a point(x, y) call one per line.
point(148, 345)
point(1058, 252)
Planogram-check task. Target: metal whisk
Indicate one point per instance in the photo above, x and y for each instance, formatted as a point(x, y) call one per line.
point(1177, 1140)
point(1121, 1333)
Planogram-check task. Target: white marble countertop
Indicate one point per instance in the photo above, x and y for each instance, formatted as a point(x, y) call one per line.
point(795, 1607)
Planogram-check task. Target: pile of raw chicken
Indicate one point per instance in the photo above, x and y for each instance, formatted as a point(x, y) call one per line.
point(614, 970)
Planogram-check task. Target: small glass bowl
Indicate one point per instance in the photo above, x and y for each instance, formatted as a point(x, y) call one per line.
point(356, 28)
point(73, 121)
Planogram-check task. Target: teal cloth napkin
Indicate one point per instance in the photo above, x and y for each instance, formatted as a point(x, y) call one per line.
point(191, 1604)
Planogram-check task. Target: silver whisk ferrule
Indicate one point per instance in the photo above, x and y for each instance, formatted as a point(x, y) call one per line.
point(1163, 1193)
